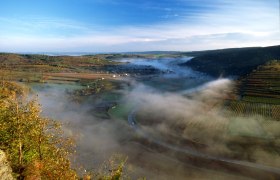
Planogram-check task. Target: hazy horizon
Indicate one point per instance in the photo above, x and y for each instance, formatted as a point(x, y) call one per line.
point(82, 53)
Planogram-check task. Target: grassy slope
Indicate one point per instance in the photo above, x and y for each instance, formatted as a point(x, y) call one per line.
point(232, 62)
point(26, 67)
point(44, 63)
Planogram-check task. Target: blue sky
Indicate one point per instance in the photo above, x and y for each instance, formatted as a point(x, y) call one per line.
point(136, 25)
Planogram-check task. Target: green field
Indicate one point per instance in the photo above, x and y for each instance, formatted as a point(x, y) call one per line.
point(120, 111)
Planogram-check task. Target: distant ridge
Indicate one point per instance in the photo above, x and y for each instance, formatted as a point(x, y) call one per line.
point(232, 62)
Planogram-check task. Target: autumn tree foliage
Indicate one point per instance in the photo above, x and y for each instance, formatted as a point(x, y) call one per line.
point(35, 146)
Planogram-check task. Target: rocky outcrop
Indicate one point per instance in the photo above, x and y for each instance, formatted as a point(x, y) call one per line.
point(5, 169)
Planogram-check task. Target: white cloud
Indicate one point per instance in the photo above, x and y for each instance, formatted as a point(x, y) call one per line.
point(232, 24)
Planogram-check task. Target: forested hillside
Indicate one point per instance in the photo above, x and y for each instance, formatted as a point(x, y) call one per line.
point(232, 62)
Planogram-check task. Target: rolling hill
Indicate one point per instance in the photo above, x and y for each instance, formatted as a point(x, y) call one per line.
point(232, 62)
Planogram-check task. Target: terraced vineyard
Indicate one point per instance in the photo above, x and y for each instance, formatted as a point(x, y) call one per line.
point(259, 92)
point(250, 108)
